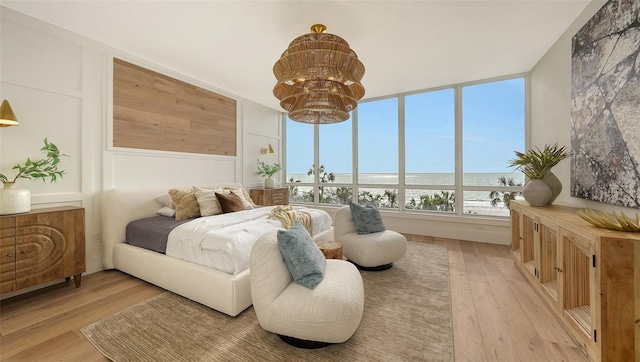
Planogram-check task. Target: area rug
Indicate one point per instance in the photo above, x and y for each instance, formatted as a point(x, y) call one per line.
point(407, 317)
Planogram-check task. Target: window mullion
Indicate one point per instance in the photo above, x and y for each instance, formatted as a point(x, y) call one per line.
point(316, 163)
point(401, 153)
point(354, 135)
point(459, 176)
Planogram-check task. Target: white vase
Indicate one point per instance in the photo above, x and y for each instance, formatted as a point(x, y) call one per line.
point(14, 200)
point(536, 192)
point(269, 183)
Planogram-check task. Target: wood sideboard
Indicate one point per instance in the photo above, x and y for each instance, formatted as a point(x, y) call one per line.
point(589, 277)
point(41, 246)
point(270, 197)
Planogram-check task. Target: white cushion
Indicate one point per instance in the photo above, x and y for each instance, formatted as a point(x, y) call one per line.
point(371, 250)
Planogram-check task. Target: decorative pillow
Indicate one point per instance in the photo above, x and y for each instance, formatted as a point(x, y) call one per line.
point(207, 201)
point(367, 218)
point(166, 211)
point(241, 193)
point(186, 204)
point(248, 197)
point(166, 201)
point(229, 202)
point(302, 255)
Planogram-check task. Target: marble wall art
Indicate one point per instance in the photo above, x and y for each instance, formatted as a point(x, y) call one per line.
point(605, 109)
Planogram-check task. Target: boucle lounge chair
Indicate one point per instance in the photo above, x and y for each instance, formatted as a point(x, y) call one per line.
point(309, 318)
point(374, 251)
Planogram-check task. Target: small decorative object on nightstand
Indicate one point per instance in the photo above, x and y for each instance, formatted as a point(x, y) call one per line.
point(270, 197)
point(16, 201)
point(266, 170)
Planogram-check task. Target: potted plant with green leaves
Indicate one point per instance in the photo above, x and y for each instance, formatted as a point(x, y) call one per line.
point(268, 170)
point(14, 200)
point(543, 187)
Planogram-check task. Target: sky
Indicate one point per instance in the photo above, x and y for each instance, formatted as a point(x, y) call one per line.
point(493, 118)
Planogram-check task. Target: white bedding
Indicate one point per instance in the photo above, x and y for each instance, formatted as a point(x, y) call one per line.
point(224, 241)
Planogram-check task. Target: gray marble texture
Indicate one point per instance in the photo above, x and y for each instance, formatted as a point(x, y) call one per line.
point(605, 108)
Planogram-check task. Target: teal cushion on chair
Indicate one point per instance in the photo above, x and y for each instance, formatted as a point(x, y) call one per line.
point(367, 218)
point(302, 255)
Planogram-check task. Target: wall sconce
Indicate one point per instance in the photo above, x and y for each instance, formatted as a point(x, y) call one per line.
point(265, 150)
point(7, 117)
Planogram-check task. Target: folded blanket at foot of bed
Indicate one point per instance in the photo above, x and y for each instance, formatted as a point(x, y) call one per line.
point(288, 215)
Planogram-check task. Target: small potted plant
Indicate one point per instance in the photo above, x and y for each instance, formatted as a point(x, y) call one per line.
point(536, 164)
point(14, 200)
point(266, 170)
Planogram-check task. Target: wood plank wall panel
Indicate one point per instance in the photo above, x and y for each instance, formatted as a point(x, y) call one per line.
point(155, 112)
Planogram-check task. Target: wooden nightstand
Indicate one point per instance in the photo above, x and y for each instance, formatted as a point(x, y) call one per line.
point(270, 197)
point(40, 246)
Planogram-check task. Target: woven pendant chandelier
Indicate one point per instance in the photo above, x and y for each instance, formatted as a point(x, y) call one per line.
point(318, 78)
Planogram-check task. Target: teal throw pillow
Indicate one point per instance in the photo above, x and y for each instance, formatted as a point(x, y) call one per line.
point(302, 255)
point(367, 218)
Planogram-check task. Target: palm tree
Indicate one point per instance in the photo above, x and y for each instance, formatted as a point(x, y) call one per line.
point(412, 204)
point(445, 201)
point(365, 197)
point(323, 177)
point(501, 196)
point(344, 194)
point(426, 203)
point(392, 198)
point(293, 190)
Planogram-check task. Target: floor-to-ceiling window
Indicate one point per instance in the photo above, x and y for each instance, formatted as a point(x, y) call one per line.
point(493, 124)
point(442, 150)
point(430, 150)
point(336, 163)
point(299, 160)
point(377, 141)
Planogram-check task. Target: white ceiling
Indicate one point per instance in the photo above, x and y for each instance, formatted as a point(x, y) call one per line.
point(404, 45)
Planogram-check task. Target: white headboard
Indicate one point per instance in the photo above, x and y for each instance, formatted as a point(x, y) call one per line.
point(121, 206)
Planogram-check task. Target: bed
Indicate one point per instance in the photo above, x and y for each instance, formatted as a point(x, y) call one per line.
point(224, 292)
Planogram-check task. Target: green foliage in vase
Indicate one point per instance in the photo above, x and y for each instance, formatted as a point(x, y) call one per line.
point(266, 170)
point(536, 163)
point(43, 169)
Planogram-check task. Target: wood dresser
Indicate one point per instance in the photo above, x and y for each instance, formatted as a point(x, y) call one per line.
point(589, 277)
point(41, 246)
point(270, 197)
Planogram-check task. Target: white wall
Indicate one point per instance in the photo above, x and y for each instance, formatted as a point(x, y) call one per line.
point(263, 128)
point(59, 86)
point(551, 106)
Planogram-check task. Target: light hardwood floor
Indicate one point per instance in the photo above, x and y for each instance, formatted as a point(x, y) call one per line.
point(496, 314)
